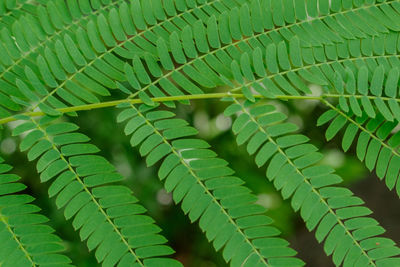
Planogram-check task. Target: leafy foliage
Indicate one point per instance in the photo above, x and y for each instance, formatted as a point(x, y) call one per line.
point(207, 189)
point(107, 216)
point(334, 212)
point(61, 57)
point(26, 240)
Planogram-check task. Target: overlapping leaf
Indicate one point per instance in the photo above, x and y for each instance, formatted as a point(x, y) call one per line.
point(11, 10)
point(369, 91)
point(375, 141)
point(106, 214)
point(282, 67)
point(289, 69)
point(26, 240)
point(41, 27)
point(206, 52)
point(207, 189)
point(171, 48)
point(209, 48)
point(79, 66)
point(337, 216)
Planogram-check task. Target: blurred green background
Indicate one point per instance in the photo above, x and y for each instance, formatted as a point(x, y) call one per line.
point(192, 248)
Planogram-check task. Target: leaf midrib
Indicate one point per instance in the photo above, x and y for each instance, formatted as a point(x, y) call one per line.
point(3, 219)
point(93, 199)
point(167, 75)
point(199, 182)
point(371, 134)
point(308, 182)
point(119, 44)
point(19, 6)
point(197, 58)
point(114, 103)
point(25, 55)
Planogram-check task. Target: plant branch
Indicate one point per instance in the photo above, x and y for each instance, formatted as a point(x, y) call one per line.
point(177, 98)
point(139, 101)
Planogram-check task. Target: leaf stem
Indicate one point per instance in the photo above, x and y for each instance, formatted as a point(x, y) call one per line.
point(181, 97)
point(4, 220)
point(306, 180)
point(139, 101)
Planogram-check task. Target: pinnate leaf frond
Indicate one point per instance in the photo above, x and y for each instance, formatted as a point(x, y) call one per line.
point(106, 214)
point(337, 216)
point(83, 62)
point(105, 40)
point(207, 189)
point(60, 57)
point(26, 240)
point(374, 139)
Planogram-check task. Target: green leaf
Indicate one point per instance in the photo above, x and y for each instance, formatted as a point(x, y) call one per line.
point(68, 162)
point(294, 169)
point(201, 182)
point(16, 214)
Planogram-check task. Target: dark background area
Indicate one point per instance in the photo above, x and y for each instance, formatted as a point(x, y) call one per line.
point(190, 244)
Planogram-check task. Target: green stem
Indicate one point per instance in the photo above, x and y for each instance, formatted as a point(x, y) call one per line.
point(373, 136)
point(155, 99)
point(131, 101)
point(92, 197)
point(181, 97)
point(119, 45)
point(307, 181)
point(4, 220)
point(200, 182)
point(371, 97)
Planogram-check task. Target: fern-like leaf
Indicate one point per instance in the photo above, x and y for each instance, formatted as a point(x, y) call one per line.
point(104, 40)
point(292, 165)
point(369, 91)
point(375, 142)
point(12, 10)
point(86, 62)
point(206, 188)
point(25, 238)
point(289, 68)
point(106, 214)
point(72, 54)
point(43, 26)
